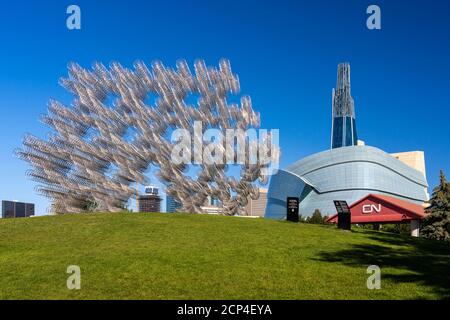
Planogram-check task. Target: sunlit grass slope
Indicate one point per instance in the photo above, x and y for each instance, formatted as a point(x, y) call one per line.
point(181, 256)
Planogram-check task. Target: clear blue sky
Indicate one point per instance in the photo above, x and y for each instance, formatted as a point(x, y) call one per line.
point(285, 52)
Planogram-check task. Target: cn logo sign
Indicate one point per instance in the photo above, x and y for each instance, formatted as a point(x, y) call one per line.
point(371, 208)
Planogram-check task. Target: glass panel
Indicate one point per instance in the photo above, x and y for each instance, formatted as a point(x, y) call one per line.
point(348, 131)
point(338, 124)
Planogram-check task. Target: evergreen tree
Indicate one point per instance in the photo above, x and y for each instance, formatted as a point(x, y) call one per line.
point(437, 224)
point(316, 218)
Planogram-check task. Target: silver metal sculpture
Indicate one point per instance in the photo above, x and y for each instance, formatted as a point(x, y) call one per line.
point(102, 144)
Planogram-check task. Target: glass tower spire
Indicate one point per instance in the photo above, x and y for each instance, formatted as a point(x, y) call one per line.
point(343, 131)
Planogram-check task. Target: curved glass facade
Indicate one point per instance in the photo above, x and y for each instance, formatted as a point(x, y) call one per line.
point(347, 173)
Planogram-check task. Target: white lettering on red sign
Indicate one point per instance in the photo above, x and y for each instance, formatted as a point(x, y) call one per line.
point(370, 208)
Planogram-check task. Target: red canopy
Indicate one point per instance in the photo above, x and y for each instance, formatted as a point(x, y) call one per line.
point(377, 208)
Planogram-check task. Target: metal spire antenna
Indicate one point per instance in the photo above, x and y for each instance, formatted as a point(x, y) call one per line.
point(343, 131)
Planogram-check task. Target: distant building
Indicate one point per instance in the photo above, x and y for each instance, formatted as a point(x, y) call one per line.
point(208, 209)
point(150, 201)
point(212, 205)
point(414, 159)
point(257, 208)
point(15, 209)
point(151, 190)
point(213, 201)
point(172, 205)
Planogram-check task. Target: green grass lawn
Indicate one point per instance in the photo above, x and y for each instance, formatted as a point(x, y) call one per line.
point(181, 256)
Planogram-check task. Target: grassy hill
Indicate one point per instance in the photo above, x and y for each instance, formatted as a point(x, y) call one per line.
point(176, 256)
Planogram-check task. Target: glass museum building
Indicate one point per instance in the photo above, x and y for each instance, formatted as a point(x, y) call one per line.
point(348, 171)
